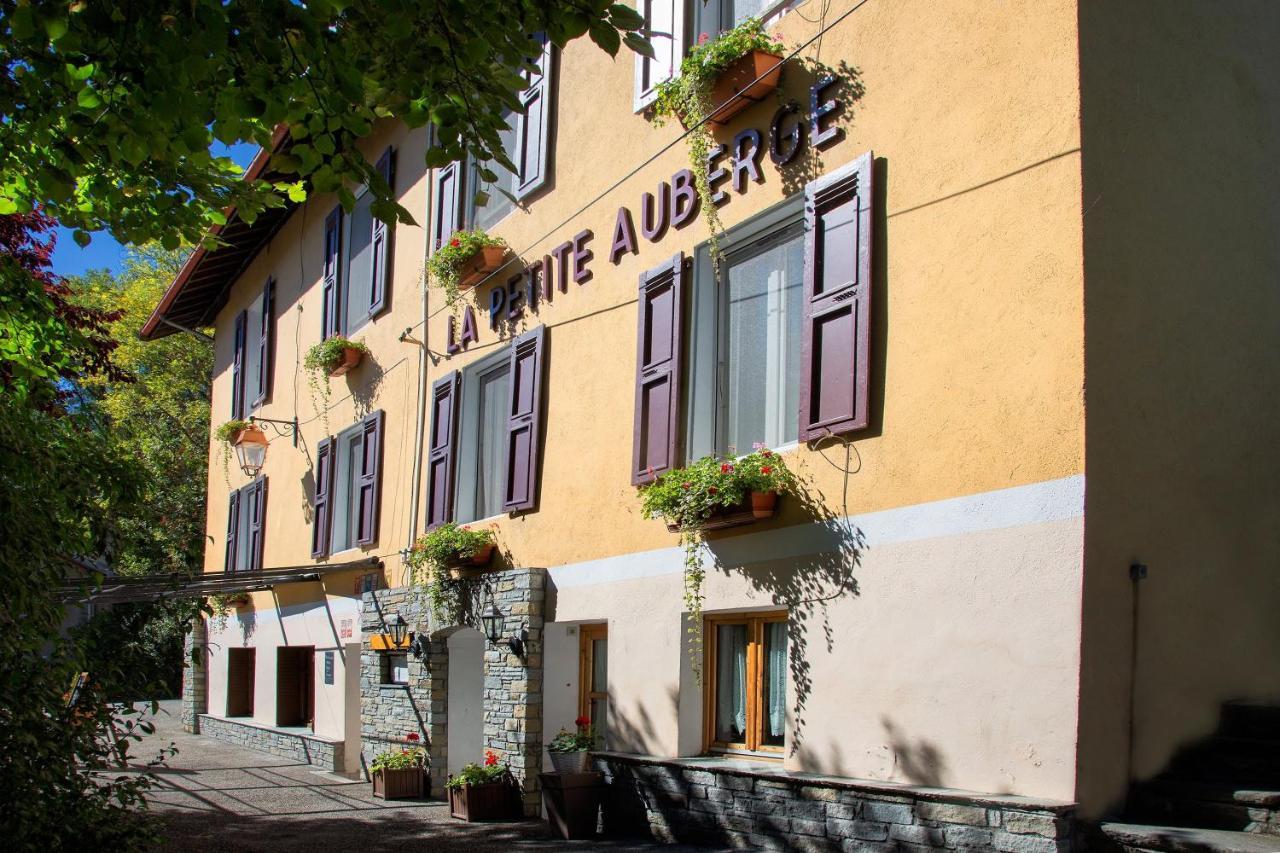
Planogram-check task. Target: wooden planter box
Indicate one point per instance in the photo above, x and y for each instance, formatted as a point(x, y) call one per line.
point(405, 784)
point(479, 265)
point(491, 801)
point(745, 69)
point(759, 506)
point(350, 359)
point(474, 566)
point(572, 802)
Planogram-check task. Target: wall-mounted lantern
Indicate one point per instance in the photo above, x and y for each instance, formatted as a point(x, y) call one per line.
point(399, 630)
point(251, 450)
point(492, 621)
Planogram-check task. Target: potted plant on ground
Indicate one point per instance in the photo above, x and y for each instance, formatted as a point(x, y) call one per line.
point(718, 79)
point(569, 750)
point(711, 494)
point(464, 260)
point(331, 357)
point(482, 791)
point(397, 774)
point(444, 556)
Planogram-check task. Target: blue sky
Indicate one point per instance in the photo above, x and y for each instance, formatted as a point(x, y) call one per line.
point(104, 251)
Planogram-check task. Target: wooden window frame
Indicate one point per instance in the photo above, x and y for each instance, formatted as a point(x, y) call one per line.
point(587, 635)
point(755, 623)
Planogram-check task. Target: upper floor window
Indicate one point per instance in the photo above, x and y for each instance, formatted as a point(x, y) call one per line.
point(348, 473)
point(246, 519)
point(486, 431)
point(252, 361)
point(357, 261)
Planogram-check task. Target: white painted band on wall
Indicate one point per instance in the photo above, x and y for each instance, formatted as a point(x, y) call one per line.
point(1051, 500)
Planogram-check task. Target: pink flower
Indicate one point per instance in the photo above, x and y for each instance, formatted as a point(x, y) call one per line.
point(686, 485)
point(703, 38)
point(758, 445)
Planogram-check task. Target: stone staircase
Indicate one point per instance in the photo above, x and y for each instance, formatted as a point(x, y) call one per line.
point(1221, 795)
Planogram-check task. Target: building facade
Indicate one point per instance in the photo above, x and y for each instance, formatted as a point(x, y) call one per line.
point(960, 296)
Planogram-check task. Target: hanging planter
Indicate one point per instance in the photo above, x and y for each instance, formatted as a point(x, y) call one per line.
point(229, 436)
point(473, 566)
point(464, 261)
point(349, 361)
point(332, 357)
point(444, 556)
point(747, 80)
point(713, 494)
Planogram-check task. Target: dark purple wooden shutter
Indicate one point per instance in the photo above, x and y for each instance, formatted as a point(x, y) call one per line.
point(837, 288)
point(332, 288)
point(257, 516)
point(442, 450)
point(237, 366)
point(533, 127)
point(656, 446)
point(524, 420)
point(380, 286)
point(369, 477)
point(322, 509)
point(266, 344)
point(446, 204)
point(233, 531)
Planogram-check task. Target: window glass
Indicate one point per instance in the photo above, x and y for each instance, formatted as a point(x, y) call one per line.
point(252, 351)
point(498, 204)
point(774, 683)
point(358, 276)
point(762, 329)
point(747, 691)
point(346, 473)
point(486, 392)
point(731, 683)
point(395, 669)
point(593, 697)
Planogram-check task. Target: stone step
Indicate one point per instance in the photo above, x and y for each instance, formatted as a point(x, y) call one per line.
point(1204, 805)
point(1243, 762)
point(1141, 838)
point(1256, 720)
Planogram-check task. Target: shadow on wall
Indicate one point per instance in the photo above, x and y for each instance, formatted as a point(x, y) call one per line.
point(800, 76)
point(921, 762)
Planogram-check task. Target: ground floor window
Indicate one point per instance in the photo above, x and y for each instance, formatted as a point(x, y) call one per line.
point(395, 668)
point(746, 682)
point(593, 679)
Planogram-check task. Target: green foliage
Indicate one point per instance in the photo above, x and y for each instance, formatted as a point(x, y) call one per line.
point(687, 97)
point(110, 109)
point(445, 265)
point(686, 498)
point(227, 431)
point(320, 360)
point(430, 559)
point(479, 774)
point(399, 759)
point(581, 739)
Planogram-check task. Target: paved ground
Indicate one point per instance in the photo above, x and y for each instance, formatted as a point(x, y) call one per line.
point(213, 796)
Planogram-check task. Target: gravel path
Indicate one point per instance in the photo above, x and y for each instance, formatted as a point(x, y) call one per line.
point(213, 796)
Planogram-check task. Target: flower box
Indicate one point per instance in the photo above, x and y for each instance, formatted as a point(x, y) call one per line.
point(350, 359)
point(406, 784)
point(241, 600)
point(760, 505)
point(739, 75)
point(489, 801)
point(479, 265)
point(473, 565)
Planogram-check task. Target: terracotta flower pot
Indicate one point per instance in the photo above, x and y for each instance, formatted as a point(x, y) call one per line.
point(241, 601)
point(763, 503)
point(471, 568)
point(350, 358)
point(248, 432)
point(479, 265)
point(739, 76)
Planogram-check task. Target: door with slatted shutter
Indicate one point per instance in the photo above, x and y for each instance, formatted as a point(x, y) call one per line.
point(380, 283)
point(836, 349)
point(322, 505)
point(446, 203)
point(266, 344)
point(533, 127)
point(659, 366)
point(256, 515)
point(442, 451)
point(331, 289)
point(369, 475)
point(237, 365)
point(524, 420)
point(665, 19)
point(233, 532)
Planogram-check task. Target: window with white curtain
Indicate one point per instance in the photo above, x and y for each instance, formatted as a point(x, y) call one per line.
point(747, 683)
point(486, 396)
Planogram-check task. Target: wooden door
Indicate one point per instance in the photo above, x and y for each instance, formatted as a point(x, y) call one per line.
point(240, 681)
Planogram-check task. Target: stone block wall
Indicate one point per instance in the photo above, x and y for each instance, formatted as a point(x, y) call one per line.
point(390, 712)
point(320, 752)
point(705, 801)
point(195, 676)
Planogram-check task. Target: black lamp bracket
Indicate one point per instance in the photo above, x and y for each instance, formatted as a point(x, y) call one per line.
point(281, 428)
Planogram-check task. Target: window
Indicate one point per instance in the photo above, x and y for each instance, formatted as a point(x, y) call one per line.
point(357, 261)
point(746, 682)
point(747, 337)
point(348, 476)
point(246, 519)
point(593, 679)
point(483, 458)
point(395, 668)
point(495, 200)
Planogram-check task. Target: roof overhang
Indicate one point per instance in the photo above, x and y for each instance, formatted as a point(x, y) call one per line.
point(199, 290)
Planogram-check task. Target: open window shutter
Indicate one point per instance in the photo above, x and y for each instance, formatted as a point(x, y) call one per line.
point(442, 451)
point(837, 290)
point(524, 420)
point(369, 478)
point(665, 18)
point(446, 203)
point(322, 508)
point(237, 366)
point(658, 371)
point(332, 274)
point(233, 531)
point(533, 131)
point(266, 343)
point(257, 509)
point(380, 285)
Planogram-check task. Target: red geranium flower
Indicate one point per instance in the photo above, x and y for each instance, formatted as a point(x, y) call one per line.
point(582, 721)
point(711, 490)
point(490, 758)
point(685, 485)
point(766, 453)
point(765, 469)
point(726, 468)
point(455, 242)
point(412, 736)
point(703, 38)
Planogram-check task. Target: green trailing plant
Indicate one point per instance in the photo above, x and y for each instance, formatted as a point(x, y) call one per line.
point(401, 759)
point(492, 770)
point(686, 498)
point(433, 555)
point(320, 360)
point(445, 265)
point(225, 434)
point(687, 98)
